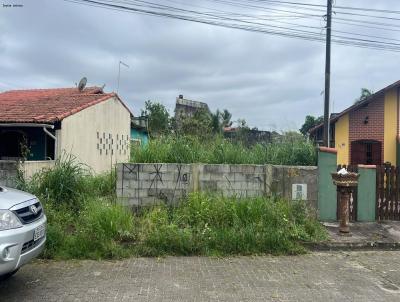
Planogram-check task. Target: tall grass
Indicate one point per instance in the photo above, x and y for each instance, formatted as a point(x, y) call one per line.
point(187, 149)
point(99, 230)
point(214, 225)
point(69, 183)
point(85, 221)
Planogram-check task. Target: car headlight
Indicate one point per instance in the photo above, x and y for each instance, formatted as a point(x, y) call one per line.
point(8, 220)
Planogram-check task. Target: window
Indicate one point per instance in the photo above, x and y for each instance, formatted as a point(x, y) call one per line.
point(366, 152)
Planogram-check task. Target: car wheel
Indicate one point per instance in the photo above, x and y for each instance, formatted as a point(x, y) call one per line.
point(8, 275)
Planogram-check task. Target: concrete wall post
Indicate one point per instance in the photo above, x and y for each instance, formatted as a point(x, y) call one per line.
point(366, 197)
point(327, 195)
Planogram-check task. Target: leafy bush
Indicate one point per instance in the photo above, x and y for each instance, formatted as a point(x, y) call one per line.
point(191, 149)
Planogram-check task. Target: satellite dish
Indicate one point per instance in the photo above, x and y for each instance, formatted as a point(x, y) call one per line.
point(82, 83)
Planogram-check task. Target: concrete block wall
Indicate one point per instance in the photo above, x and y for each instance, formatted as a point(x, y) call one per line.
point(280, 181)
point(148, 184)
point(233, 180)
point(9, 170)
point(8, 173)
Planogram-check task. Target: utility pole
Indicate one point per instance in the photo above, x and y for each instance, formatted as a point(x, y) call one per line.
point(327, 71)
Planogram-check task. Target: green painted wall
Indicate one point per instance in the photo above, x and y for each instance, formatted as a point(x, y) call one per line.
point(140, 134)
point(326, 188)
point(37, 143)
point(366, 194)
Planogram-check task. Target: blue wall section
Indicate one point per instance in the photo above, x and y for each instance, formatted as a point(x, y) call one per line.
point(36, 140)
point(142, 135)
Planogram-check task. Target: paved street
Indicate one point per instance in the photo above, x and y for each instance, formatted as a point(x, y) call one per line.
point(339, 276)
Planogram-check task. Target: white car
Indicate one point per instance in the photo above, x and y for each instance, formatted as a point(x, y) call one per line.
point(22, 230)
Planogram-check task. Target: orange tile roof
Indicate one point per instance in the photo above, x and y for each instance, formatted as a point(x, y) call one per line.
point(48, 105)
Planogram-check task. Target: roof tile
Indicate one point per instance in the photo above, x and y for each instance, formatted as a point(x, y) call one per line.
point(47, 105)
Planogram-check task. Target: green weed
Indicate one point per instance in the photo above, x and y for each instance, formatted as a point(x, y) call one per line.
point(85, 221)
point(216, 150)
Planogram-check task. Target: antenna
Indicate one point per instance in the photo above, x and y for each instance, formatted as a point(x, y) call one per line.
point(82, 84)
point(119, 72)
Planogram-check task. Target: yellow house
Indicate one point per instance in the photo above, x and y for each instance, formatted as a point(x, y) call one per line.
point(368, 131)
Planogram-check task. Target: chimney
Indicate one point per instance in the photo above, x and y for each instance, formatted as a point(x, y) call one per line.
point(181, 96)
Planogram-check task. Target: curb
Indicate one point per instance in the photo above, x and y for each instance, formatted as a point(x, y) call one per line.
point(353, 246)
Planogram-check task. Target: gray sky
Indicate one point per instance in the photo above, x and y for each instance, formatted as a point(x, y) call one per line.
point(272, 82)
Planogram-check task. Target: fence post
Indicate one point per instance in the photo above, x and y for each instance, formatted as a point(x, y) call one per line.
point(327, 195)
point(268, 190)
point(366, 199)
point(195, 177)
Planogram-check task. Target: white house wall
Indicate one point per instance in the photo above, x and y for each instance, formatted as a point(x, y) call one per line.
point(98, 136)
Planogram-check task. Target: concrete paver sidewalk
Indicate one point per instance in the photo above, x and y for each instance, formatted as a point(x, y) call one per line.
point(364, 235)
point(323, 276)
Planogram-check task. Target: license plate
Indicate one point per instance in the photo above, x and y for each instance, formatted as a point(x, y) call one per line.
point(40, 231)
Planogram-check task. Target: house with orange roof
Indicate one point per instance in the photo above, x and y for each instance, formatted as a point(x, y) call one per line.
point(39, 125)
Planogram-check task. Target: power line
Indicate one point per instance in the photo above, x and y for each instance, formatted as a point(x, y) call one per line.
point(295, 24)
point(242, 4)
point(336, 6)
point(207, 18)
point(310, 36)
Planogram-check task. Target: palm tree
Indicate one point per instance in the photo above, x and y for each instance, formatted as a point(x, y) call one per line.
point(226, 118)
point(365, 93)
point(219, 120)
point(216, 121)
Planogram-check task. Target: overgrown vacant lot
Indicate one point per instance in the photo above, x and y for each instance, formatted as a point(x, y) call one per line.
point(289, 150)
point(85, 221)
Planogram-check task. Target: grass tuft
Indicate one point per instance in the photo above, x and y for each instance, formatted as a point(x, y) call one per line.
point(188, 149)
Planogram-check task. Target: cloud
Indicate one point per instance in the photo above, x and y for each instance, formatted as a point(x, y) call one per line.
point(272, 82)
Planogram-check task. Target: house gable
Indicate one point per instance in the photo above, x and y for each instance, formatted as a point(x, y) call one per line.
point(98, 136)
point(367, 123)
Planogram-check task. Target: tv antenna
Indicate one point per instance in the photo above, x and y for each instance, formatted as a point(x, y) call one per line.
point(119, 72)
point(82, 84)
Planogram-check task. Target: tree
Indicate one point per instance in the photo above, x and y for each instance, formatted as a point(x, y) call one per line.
point(243, 131)
point(200, 124)
point(226, 118)
point(220, 120)
point(310, 122)
point(365, 93)
point(216, 121)
point(158, 116)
